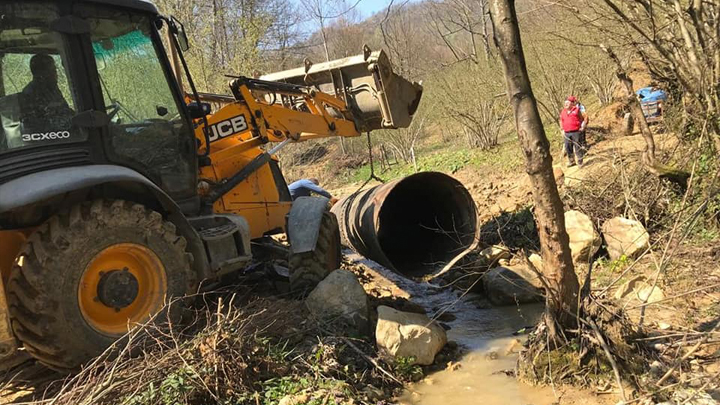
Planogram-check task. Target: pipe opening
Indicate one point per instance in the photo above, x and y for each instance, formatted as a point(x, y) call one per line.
point(425, 221)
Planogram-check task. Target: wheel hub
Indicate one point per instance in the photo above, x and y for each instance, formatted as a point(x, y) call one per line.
point(124, 284)
point(117, 289)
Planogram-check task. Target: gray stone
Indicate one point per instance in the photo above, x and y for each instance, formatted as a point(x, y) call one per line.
point(690, 396)
point(625, 237)
point(628, 124)
point(494, 253)
point(639, 289)
point(584, 239)
point(408, 335)
point(536, 261)
point(340, 296)
point(294, 399)
point(650, 294)
point(628, 287)
point(510, 285)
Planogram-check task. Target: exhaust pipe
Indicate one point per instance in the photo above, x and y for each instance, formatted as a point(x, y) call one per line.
point(414, 226)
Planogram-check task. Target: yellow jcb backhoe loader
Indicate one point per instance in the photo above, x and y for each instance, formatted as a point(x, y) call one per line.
point(119, 189)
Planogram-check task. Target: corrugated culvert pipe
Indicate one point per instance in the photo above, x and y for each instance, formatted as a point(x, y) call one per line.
point(415, 225)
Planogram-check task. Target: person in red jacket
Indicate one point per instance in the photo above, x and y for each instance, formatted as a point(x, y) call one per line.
point(572, 123)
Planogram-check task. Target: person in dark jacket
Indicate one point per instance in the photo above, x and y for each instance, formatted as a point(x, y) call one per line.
point(42, 105)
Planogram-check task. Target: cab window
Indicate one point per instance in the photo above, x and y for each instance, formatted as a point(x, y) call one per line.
point(37, 102)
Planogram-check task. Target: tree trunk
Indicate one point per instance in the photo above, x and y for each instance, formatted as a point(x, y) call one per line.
point(558, 269)
point(485, 35)
point(635, 108)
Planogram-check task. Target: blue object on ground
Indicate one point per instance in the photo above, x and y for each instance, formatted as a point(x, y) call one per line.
point(649, 94)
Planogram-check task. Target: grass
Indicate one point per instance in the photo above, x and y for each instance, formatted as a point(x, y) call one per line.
point(452, 157)
point(606, 270)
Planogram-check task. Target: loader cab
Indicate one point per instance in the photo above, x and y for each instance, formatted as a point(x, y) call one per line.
point(89, 82)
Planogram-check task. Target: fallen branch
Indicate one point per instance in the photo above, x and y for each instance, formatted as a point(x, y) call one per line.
point(684, 357)
point(370, 360)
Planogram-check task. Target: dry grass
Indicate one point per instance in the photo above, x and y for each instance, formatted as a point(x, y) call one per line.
point(251, 352)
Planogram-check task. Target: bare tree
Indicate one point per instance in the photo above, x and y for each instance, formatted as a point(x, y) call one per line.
point(234, 37)
point(462, 25)
point(599, 74)
point(470, 96)
point(631, 100)
point(677, 41)
point(563, 287)
point(402, 142)
point(346, 36)
point(405, 40)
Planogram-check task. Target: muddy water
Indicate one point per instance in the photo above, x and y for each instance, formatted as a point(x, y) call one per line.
point(487, 333)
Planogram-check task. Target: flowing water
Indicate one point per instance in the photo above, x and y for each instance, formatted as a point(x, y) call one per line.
point(489, 334)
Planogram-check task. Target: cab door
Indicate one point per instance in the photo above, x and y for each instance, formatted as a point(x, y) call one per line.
point(148, 130)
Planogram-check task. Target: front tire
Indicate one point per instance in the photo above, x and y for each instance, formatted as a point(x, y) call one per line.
point(89, 273)
point(308, 269)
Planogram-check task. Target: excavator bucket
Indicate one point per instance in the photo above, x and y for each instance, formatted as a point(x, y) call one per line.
point(377, 97)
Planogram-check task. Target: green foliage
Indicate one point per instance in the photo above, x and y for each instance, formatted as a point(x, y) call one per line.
point(406, 369)
point(174, 389)
point(238, 38)
point(614, 266)
point(275, 389)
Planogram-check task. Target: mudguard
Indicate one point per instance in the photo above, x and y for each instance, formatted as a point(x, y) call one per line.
point(303, 224)
point(37, 187)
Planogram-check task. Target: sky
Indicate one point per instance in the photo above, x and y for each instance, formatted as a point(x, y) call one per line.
point(366, 7)
point(369, 7)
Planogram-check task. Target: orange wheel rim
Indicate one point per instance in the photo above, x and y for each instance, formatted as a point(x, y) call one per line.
point(122, 285)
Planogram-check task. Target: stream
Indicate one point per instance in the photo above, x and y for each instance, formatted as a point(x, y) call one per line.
point(488, 334)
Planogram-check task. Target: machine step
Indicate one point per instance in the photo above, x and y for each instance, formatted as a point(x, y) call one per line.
point(227, 241)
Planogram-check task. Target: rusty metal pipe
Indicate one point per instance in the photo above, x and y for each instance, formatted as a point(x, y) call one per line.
point(414, 225)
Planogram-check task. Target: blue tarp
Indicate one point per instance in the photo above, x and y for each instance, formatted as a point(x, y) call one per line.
point(650, 94)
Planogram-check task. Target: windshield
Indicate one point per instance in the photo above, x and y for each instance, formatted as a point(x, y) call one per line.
point(36, 98)
point(134, 84)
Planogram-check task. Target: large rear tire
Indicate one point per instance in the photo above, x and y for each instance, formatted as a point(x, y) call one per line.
point(89, 273)
point(308, 269)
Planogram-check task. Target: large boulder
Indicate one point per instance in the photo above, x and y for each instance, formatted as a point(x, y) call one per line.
point(625, 237)
point(340, 297)
point(405, 334)
point(584, 239)
point(511, 285)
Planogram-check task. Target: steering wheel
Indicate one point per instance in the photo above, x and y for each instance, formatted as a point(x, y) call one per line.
point(114, 109)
